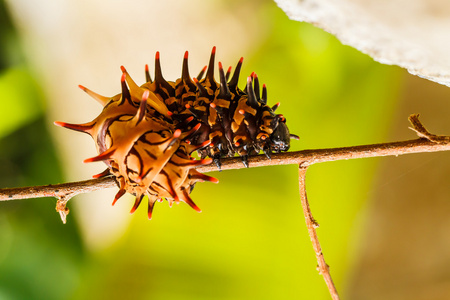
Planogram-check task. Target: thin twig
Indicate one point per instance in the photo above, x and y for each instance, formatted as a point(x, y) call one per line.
point(313, 156)
point(311, 225)
point(423, 133)
point(57, 190)
point(304, 158)
point(63, 192)
point(61, 207)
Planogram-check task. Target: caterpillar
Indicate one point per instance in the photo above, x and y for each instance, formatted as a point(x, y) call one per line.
point(146, 134)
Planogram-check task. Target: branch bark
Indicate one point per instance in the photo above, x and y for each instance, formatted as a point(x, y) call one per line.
point(426, 142)
point(303, 158)
point(311, 225)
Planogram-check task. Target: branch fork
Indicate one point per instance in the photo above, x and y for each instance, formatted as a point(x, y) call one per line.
point(422, 132)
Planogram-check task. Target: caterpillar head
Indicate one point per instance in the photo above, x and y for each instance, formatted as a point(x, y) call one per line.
point(280, 137)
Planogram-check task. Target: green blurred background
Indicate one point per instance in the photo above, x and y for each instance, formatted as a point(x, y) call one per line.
point(250, 242)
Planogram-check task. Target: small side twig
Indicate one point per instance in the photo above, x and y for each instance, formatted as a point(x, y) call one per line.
point(311, 225)
point(61, 208)
point(423, 132)
point(63, 192)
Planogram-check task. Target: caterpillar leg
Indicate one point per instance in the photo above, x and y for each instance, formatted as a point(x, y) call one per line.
point(216, 160)
point(245, 160)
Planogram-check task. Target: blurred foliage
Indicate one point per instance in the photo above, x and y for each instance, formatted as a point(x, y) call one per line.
point(251, 242)
point(10, 52)
point(17, 83)
point(39, 257)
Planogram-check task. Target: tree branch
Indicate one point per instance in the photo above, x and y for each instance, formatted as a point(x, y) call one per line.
point(304, 158)
point(57, 190)
point(64, 192)
point(311, 225)
point(426, 143)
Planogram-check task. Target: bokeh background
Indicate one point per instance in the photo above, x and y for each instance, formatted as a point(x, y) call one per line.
point(384, 221)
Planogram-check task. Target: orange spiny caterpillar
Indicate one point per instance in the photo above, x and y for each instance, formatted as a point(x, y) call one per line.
point(146, 134)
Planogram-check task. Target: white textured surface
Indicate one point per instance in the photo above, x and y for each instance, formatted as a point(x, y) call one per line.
point(413, 34)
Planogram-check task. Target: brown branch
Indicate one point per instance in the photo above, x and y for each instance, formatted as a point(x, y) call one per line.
point(67, 190)
point(311, 225)
point(64, 192)
point(427, 143)
point(314, 156)
point(304, 158)
point(423, 133)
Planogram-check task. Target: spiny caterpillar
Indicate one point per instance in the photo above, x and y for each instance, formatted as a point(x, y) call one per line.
point(146, 134)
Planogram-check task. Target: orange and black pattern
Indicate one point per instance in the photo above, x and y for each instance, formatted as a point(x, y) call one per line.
point(146, 134)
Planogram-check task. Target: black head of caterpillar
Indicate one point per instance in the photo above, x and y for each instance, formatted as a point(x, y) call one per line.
point(146, 134)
